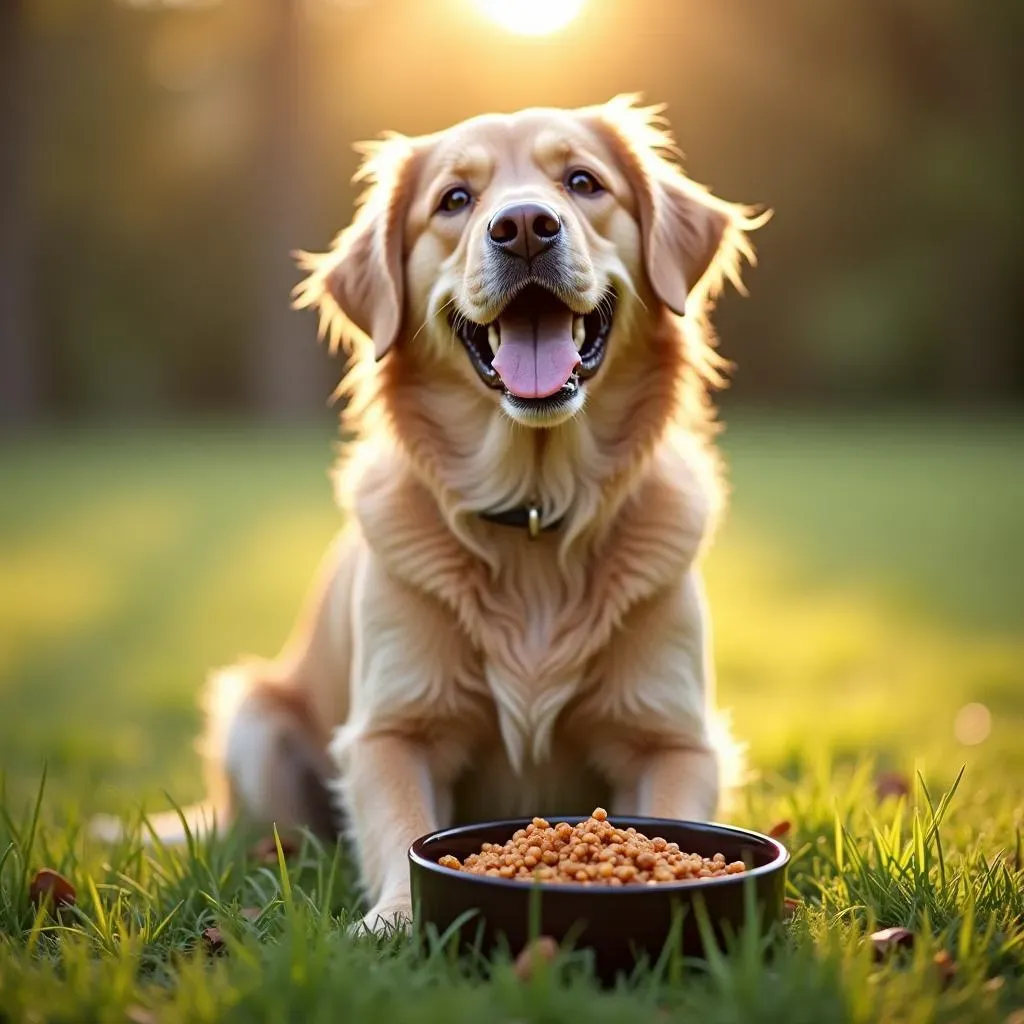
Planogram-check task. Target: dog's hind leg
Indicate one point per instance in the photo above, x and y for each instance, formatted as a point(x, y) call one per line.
point(268, 723)
point(263, 752)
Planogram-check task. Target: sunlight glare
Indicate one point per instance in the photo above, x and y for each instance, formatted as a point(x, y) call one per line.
point(531, 17)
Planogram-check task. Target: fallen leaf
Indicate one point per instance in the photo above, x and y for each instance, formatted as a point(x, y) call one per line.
point(894, 784)
point(888, 939)
point(1017, 1017)
point(789, 907)
point(50, 884)
point(542, 950)
point(250, 913)
point(946, 967)
point(213, 939)
point(265, 851)
point(994, 984)
point(779, 830)
point(139, 1015)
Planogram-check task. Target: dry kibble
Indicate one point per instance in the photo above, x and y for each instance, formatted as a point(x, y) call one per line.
point(946, 967)
point(592, 852)
point(892, 784)
point(51, 885)
point(265, 851)
point(213, 939)
point(139, 1015)
point(542, 951)
point(889, 939)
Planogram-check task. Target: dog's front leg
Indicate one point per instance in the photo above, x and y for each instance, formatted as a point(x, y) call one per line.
point(678, 784)
point(406, 736)
point(390, 797)
point(651, 720)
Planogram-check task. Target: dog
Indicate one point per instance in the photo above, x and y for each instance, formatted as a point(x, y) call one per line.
point(512, 621)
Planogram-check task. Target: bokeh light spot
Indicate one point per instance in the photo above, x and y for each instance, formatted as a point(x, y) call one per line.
point(972, 725)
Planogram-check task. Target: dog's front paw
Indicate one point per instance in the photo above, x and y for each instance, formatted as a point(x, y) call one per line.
point(387, 917)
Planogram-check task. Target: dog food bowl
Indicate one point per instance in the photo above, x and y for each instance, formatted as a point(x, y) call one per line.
point(619, 924)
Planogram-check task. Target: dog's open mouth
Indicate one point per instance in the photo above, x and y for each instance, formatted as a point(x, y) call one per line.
point(538, 350)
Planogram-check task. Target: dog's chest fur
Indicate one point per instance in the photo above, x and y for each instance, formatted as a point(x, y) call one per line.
point(529, 634)
point(536, 617)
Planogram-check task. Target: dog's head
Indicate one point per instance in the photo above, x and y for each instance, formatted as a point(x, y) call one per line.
point(521, 250)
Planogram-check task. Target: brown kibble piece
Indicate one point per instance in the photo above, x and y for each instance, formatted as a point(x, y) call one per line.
point(265, 851)
point(889, 939)
point(213, 939)
point(780, 830)
point(891, 784)
point(592, 852)
point(52, 885)
point(946, 966)
point(139, 1015)
point(789, 907)
point(542, 950)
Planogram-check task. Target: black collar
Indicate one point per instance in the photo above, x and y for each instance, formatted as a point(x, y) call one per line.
point(525, 517)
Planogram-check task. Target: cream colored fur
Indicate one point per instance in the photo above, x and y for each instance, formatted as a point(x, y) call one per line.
point(446, 666)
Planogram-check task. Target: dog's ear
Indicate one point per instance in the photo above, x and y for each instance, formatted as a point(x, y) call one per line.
point(685, 230)
point(360, 282)
point(681, 236)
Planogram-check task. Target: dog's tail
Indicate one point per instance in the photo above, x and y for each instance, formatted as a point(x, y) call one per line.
point(265, 764)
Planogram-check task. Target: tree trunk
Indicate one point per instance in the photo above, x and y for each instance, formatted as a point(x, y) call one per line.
point(20, 397)
point(291, 381)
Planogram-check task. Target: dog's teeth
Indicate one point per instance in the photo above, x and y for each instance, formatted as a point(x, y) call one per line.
point(493, 338)
point(579, 331)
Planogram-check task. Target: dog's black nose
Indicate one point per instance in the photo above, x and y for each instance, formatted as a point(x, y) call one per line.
point(524, 229)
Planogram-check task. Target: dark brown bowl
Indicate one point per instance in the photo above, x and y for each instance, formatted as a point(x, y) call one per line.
point(618, 924)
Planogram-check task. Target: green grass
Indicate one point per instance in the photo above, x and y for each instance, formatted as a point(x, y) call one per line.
point(868, 583)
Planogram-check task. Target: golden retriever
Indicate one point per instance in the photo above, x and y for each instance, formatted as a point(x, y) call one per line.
point(512, 621)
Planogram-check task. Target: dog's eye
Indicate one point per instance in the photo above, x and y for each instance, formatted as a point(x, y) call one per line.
point(583, 183)
point(454, 200)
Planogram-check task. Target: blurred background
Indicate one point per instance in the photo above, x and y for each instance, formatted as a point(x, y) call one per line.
point(165, 429)
point(161, 159)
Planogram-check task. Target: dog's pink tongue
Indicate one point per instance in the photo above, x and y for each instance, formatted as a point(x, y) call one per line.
point(537, 354)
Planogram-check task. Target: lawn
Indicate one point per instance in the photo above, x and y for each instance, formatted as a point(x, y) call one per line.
point(868, 593)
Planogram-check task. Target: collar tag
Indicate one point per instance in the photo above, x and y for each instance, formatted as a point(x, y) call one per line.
point(533, 521)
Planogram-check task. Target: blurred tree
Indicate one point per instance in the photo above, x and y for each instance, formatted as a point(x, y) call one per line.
point(20, 381)
point(285, 375)
point(289, 380)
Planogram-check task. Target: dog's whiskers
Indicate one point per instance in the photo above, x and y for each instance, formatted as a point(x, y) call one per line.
point(433, 316)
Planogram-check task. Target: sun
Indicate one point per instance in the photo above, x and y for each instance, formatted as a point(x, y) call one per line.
point(531, 17)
